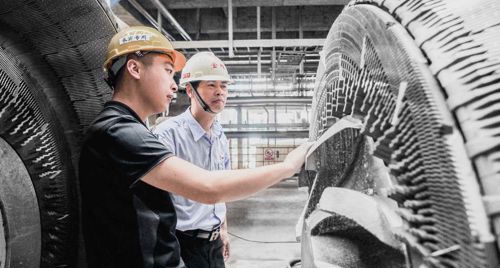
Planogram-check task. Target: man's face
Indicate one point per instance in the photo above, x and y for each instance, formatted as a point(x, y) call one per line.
point(214, 93)
point(158, 82)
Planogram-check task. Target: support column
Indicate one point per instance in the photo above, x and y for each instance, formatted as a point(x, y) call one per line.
point(259, 66)
point(198, 31)
point(230, 26)
point(273, 36)
point(239, 143)
point(301, 31)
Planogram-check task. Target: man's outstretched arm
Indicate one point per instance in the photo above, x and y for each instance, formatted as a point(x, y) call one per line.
point(183, 178)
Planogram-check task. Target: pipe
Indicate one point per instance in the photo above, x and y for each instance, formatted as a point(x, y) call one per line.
point(153, 22)
point(171, 18)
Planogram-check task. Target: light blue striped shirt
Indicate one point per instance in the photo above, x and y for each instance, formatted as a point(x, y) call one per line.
point(189, 141)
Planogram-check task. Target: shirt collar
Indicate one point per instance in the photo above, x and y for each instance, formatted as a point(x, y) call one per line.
point(124, 109)
point(196, 128)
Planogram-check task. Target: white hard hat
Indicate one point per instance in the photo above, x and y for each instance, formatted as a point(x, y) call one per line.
point(204, 66)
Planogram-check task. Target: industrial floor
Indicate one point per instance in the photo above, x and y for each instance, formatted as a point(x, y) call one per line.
point(269, 216)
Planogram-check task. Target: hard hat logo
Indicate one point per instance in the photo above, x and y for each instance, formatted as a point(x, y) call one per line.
point(134, 38)
point(217, 65)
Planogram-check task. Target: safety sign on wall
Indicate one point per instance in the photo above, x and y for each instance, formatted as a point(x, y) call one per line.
point(271, 154)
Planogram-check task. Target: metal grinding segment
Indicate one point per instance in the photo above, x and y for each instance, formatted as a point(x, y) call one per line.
point(344, 123)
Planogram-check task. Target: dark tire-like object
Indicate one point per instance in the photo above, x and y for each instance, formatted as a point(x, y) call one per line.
point(51, 54)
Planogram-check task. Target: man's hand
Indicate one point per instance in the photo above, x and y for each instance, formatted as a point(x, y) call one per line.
point(296, 158)
point(225, 241)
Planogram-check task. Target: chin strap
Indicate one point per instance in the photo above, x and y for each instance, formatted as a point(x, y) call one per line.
point(203, 104)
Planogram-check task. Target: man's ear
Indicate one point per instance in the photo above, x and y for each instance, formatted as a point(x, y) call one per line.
point(188, 90)
point(134, 67)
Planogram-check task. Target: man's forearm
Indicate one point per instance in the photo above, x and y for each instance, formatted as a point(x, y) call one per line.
point(209, 187)
point(231, 185)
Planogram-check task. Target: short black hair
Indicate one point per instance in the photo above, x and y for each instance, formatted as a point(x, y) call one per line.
point(195, 84)
point(113, 78)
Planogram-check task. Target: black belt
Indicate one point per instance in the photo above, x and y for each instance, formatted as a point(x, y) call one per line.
point(198, 233)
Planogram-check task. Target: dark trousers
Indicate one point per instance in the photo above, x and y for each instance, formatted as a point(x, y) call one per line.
point(199, 252)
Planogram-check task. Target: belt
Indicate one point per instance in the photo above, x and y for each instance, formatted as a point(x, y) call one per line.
point(198, 233)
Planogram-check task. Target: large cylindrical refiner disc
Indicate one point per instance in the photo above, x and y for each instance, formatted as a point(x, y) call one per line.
point(423, 76)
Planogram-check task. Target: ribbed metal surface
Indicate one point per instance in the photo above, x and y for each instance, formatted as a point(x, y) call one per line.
point(376, 71)
point(72, 36)
point(344, 151)
point(20, 113)
point(51, 88)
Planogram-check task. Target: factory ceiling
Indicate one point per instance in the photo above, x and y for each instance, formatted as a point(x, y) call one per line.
point(290, 31)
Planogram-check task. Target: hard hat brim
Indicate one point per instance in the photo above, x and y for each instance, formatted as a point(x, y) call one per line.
point(179, 60)
point(207, 78)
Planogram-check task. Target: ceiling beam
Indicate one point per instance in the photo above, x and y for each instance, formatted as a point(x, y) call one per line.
point(268, 134)
point(252, 55)
point(262, 62)
point(189, 4)
point(269, 100)
point(246, 69)
point(264, 30)
point(313, 42)
point(265, 126)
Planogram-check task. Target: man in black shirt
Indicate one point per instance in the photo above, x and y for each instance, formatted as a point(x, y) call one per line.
point(126, 173)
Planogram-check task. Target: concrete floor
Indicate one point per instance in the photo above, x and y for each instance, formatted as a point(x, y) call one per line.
point(270, 215)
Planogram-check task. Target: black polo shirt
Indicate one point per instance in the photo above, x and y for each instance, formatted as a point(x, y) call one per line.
point(126, 222)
